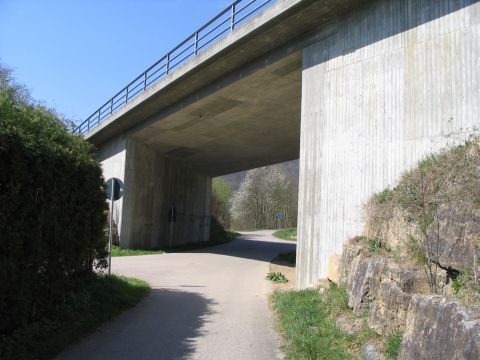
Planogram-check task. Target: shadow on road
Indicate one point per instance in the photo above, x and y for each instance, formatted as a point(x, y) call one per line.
point(248, 246)
point(154, 331)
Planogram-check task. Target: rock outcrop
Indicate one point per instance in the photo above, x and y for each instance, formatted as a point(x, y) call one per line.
point(440, 329)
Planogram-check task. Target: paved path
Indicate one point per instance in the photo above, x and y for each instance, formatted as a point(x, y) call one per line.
point(207, 304)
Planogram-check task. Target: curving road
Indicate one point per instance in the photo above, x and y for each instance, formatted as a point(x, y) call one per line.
point(206, 304)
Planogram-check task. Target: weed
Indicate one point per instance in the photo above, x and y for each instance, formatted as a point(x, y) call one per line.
point(393, 345)
point(374, 246)
point(384, 197)
point(277, 277)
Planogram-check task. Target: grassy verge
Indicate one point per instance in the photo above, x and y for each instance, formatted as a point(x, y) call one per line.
point(117, 251)
point(99, 301)
point(286, 234)
point(224, 238)
point(307, 323)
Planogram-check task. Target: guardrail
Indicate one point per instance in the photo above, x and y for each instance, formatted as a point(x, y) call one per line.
point(222, 24)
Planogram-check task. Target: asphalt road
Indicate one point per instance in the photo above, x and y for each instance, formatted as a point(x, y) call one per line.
point(206, 304)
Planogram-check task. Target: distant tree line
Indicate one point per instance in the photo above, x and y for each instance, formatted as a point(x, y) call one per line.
point(266, 199)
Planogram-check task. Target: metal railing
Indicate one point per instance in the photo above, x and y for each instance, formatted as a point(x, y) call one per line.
point(222, 24)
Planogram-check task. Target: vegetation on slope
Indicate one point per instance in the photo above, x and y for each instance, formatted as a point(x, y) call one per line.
point(307, 322)
point(429, 219)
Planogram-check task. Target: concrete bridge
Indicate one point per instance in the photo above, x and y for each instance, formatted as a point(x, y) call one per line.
point(358, 90)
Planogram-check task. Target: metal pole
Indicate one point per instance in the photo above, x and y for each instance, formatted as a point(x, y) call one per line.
point(171, 226)
point(111, 226)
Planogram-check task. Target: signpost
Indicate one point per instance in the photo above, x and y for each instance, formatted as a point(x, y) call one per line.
point(172, 217)
point(114, 192)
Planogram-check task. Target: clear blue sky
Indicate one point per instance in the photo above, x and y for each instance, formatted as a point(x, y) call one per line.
point(74, 55)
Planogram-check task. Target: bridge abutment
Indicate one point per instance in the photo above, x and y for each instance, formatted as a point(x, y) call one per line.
point(152, 184)
point(396, 80)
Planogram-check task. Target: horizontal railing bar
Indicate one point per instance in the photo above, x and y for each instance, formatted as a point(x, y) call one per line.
point(215, 28)
point(186, 57)
point(182, 52)
point(237, 11)
point(130, 97)
point(156, 71)
point(214, 38)
point(155, 79)
point(251, 12)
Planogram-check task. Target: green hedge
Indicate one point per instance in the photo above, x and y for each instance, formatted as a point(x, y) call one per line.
point(51, 213)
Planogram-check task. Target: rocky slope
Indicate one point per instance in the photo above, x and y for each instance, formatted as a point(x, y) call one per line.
point(414, 269)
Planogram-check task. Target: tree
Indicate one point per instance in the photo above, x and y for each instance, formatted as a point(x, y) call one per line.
point(221, 195)
point(266, 199)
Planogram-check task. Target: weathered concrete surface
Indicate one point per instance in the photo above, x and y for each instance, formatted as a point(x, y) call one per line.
point(151, 184)
point(209, 304)
point(439, 329)
point(396, 81)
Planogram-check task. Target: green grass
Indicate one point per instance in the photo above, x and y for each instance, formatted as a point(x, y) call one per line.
point(217, 239)
point(286, 234)
point(307, 323)
point(117, 251)
point(103, 298)
point(393, 345)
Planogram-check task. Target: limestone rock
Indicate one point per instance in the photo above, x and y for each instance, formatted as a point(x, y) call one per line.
point(454, 243)
point(370, 352)
point(439, 329)
point(349, 326)
point(391, 292)
point(362, 270)
point(333, 268)
point(351, 249)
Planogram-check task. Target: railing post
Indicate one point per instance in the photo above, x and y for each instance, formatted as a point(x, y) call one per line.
point(126, 95)
point(145, 82)
point(232, 18)
point(168, 63)
point(111, 106)
point(98, 122)
point(196, 42)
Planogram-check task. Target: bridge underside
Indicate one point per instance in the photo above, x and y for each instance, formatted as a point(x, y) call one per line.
point(252, 122)
point(360, 99)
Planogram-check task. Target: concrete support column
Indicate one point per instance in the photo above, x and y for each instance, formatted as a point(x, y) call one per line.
point(395, 81)
point(151, 184)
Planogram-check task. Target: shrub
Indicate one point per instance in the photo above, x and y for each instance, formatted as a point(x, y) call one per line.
point(52, 203)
